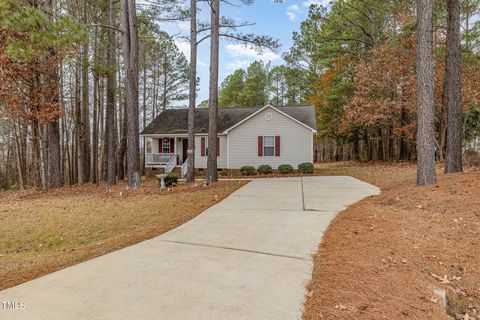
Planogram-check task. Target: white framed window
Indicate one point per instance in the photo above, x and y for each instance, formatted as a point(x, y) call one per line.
point(166, 145)
point(148, 145)
point(268, 146)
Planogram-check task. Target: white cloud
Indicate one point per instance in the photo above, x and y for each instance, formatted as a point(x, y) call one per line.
point(292, 16)
point(292, 12)
point(243, 56)
point(237, 64)
point(184, 47)
point(184, 25)
point(240, 50)
point(308, 3)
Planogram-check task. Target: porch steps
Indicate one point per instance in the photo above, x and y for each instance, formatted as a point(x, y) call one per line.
point(177, 171)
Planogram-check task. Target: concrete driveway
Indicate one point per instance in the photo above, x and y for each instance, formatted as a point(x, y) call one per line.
point(248, 257)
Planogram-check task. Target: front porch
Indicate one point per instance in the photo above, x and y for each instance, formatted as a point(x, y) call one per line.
point(166, 152)
point(160, 151)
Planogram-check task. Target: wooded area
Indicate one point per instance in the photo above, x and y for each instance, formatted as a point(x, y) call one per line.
point(80, 79)
point(74, 74)
point(356, 63)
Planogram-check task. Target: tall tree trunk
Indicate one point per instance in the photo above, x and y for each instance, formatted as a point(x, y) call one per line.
point(144, 109)
point(54, 155)
point(122, 148)
point(101, 119)
point(130, 52)
point(442, 127)
point(94, 163)
point(18, 154)
point(212, 174)
point(43, 140)
point(94, 168)
point(155, 91)
point(54, 159)
point(62, 122)
point(67, 154)
point(453, 97)
point(110, 109)
point(193, 92)
point(79, 127)
point(23, 130)
point(426, 112)
point(35, 155)
point(165, 84)
point(85, 103)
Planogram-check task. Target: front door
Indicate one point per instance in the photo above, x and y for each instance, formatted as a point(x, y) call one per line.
point(184, 150)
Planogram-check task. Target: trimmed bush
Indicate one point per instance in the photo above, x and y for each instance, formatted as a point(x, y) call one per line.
point(171, 180)
point(306, 167)
point(247, 170)
point(285, 169)
point(265, 169)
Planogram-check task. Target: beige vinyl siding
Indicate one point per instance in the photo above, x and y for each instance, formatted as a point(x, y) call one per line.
point(296, 141)
point(201, 162)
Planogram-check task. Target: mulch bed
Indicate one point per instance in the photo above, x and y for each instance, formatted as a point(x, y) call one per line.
point(383, 257)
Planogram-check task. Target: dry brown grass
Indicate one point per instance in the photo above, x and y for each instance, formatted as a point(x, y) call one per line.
point(45, 231)
point(382, 257)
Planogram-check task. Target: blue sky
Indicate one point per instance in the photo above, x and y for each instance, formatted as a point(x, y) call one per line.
point(278, 20)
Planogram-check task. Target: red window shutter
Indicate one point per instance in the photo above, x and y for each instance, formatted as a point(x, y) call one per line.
point(277, 146)
point(172, 145)
point(260, 146)
point(202, 142)
point(218, 146)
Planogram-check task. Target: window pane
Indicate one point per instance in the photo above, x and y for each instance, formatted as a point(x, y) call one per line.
point(166, 146)
point(269, 141)
point(268, 146)
point(268, 151)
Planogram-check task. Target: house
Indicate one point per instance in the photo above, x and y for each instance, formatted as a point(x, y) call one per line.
point(246, 136)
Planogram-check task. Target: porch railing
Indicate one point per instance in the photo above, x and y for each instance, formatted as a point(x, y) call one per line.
point(171, 164)
point(184, 170)
point(159, 158)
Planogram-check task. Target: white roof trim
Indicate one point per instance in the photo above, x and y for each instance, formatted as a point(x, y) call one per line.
point(272, 107)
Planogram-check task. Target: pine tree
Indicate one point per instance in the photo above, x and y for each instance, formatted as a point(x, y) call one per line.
point(452, 94)
point(425, 77)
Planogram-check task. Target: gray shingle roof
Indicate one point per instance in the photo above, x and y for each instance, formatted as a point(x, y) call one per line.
point(175, 121)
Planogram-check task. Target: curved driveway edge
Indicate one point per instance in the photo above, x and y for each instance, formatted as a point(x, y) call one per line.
point(248, 257)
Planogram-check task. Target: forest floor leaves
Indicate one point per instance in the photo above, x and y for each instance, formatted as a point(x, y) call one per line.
point(383, 257)
point(41, 232)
